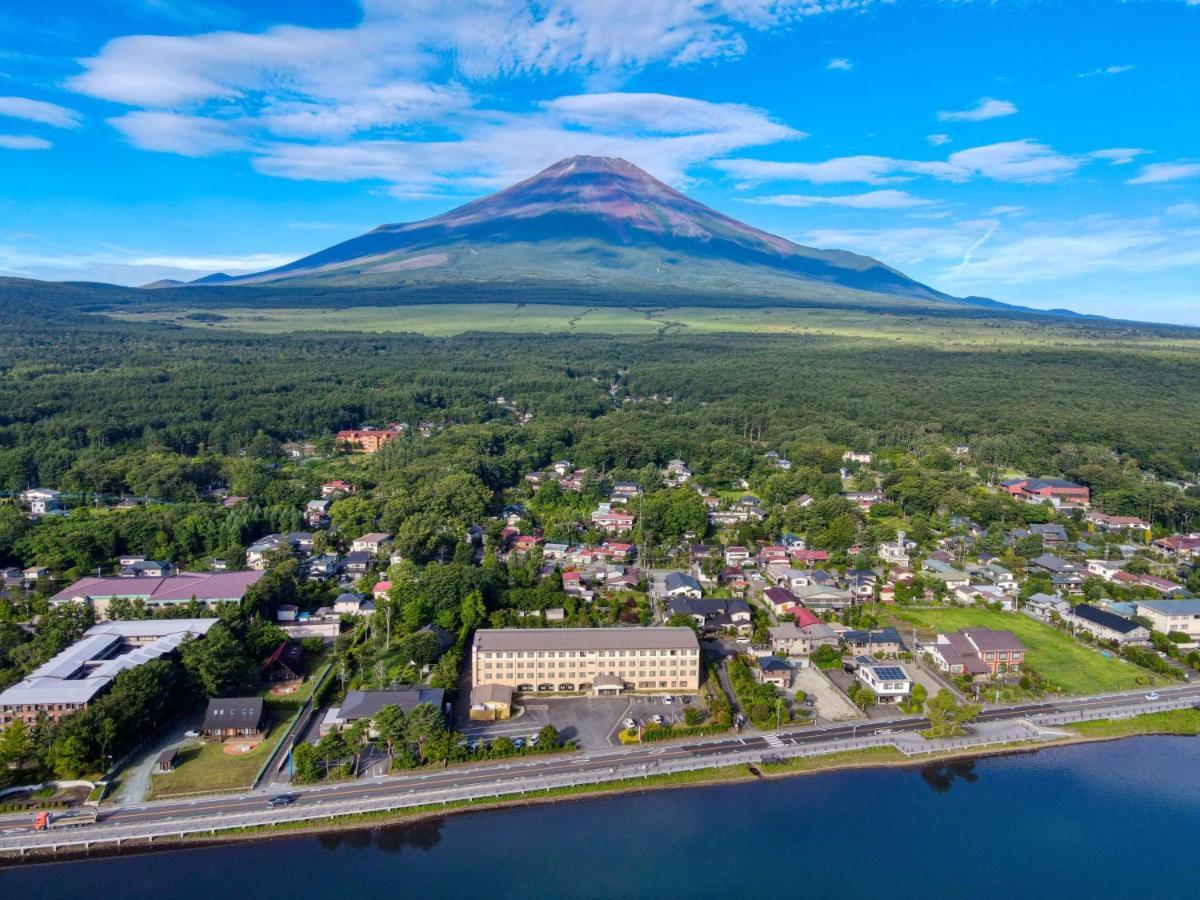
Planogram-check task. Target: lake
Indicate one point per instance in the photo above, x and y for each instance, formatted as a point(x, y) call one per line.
point(1097, 820)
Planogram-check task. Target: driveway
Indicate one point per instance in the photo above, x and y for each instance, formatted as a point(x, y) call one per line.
point(134, 778)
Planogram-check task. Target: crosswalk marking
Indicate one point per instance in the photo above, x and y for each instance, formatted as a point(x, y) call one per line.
point(773, 740)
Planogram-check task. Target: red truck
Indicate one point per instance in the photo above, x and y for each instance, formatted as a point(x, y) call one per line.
point(70, 818)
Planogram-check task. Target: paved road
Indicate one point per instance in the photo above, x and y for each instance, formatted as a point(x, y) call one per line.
point(632, 760)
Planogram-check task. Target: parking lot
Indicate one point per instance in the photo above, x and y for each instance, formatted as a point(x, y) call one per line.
point(587, 720)
point(643, 709)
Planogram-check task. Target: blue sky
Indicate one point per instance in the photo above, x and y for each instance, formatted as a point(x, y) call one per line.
point(1039, 153)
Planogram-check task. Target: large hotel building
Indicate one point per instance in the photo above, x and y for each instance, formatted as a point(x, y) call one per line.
point(601, 660)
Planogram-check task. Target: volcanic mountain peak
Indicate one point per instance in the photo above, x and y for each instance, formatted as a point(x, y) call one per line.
point(601, 222)
point(603, 188)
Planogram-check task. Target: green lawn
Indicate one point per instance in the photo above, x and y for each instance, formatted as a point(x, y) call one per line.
point(1074, 668)
point(207, 767)
point(1176, 721)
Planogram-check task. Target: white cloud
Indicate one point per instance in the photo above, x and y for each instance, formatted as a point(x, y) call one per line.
point(665, 135)
point(1108, 70)
point(975, 256)
point(38, 111)
point(406, 39)
point(1118, 156)
point(985, 108)
point(1024, 161)
point(938, 140)
point(126, 266)
point(883, 199)
point(840, 64)
point(1159, 173)
point(23, 142)
point(176, 133)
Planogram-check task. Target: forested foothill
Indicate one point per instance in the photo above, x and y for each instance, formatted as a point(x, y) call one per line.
point(214, 440)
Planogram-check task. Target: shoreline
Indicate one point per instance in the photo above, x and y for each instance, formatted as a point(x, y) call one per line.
point(885, 757)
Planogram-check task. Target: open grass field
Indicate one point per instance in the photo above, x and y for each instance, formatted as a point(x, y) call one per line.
point(441, 320)
point(1072, 667)
point(1176, 721)
point(207, 767)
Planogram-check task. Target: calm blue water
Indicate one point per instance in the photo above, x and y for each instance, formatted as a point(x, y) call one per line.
point(1095, 820)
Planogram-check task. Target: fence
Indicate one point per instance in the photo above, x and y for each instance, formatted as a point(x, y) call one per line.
point(394, 796)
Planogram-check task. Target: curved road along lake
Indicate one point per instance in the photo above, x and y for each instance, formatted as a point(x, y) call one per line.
point(1098, 820)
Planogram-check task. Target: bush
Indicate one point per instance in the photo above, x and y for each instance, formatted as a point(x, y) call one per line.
point(693, 716)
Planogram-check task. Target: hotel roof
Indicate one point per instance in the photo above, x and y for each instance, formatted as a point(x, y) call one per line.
point(662, 638)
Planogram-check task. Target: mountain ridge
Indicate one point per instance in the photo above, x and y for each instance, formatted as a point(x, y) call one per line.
point(597, 221)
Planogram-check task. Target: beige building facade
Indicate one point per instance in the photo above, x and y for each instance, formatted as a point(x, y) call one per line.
point(597, 660)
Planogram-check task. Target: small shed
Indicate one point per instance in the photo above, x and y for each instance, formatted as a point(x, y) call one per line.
point(166, 760)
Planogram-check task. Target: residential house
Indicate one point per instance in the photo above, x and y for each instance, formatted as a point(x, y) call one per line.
point(336, 488)
point(677, 584)
point(714, 614)
point(1059, 492)
point(349, 604)
point(1105, 626)
point(1105, 568)
point(823, 598)
point(42, 501)
point(316, 513)
point(889, 682)
point(879, 642)
point(788, 638)
point(1051, 564)
point(148, 568)
point(1043, 607)
point(359, 705)
point(285, 663)
point(612, 522)
point(977, 652)
point(357, 563)
point(773, 670)
point(856, 456)
point(781, 599)
point(1106, 523)
point(896, 553)
point(234, 717)
point(1182, 546)
point(736, 556)
point(371, 543)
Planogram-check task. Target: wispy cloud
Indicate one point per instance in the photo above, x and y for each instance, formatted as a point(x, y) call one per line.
point(971, 255)
point(23, 142)
point(1160, 173)
point(127, 266)
point(177, 133)
point(1107, 70)
point(883, 199)
point(840, 64)
point(985, 108)
point(938, 140)
point(39, 111)
point(1024, 161)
